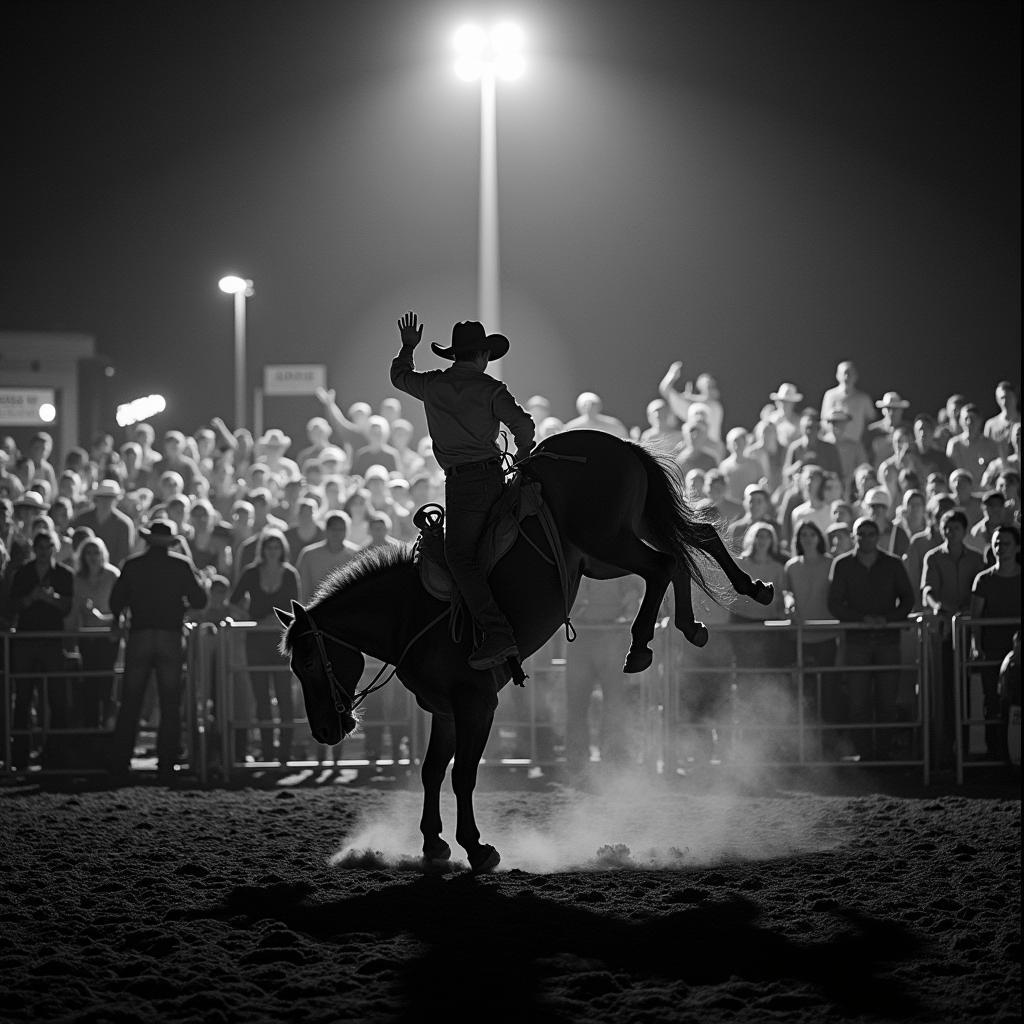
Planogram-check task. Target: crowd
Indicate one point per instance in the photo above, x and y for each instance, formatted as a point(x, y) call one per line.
point(814, 496)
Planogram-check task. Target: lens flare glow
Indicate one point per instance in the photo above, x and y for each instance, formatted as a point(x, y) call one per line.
point(498, 52)
point(232, 285)
point(47, 412)
point(470, 41)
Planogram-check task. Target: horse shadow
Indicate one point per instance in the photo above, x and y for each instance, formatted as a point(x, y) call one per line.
point(491, 955)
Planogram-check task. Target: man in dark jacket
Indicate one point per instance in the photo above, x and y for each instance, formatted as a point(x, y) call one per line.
point(155, 588)
point(870, 586)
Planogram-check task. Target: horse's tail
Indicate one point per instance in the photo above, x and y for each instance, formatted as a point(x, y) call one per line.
point(671, 524)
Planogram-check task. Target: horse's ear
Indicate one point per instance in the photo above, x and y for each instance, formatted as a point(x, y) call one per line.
point(299, 612)
point(285, 618)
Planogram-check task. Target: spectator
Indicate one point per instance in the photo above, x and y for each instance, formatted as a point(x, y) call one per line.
point(813, 508)
point(210, 543)
point(400, 522)
point(693, 485)
point(10, 486)
point(784, 416)
point(738, 468)
point(175, 460)
point(949, 419)
point(306, 530)
point(380, 531)
point(154, 587)
point(40, 448)
point(927, 538)
point(376, 451)
point(319, 559)
point(1009, 701)
point(1009, 463)
point(870, 586)
point(715, 492)
point(351, 432)
point(149, 458)
point(971, 449)
point(271, 450)
point(1008, 484)
point(695, 452)
point(911, 517)
point(996, 595)
point(549, 425)
point(900, 463)
point(947, 577)
point(878, 507)
point(961, 484)
point(663, 428)
point(848, 399)
point(262, 519)
point(94, 581)
point(590, 417)
point(769, 452)
point(269, 581)
point(408, 461)
point(40, 596)
point(979, 538)
point(805, 579)
point(318, 432)
point(925, 453)
point(592, 664)
point(809, 447)
point(841, 512)
point(880, 442)
point(998, 428)
point(757, 508)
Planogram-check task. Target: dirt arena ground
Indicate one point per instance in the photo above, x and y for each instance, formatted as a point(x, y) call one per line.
point(616, 900)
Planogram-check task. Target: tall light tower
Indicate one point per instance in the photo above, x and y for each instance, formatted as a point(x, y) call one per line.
point(486, 56)
point(241, 288)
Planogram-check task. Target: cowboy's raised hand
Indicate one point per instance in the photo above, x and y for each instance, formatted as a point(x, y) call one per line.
point(410, 330)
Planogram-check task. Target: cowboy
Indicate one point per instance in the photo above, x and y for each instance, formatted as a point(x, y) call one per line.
point(155, 587)
point(465, 408)
point(784, 415)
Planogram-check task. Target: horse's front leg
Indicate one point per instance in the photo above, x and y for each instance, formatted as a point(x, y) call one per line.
point(440, 748)
point(694, 631)
point(474, 713)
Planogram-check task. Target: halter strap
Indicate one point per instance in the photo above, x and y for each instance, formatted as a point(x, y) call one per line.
point(342, 703)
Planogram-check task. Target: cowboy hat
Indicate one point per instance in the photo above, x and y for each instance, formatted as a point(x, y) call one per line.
point(31, 499)
point(275, 438)
point(162, 532)
point(787, 393)
point(892, 400)
point(108, 489)
point(838, 416)
point(877, 496)
point(468, 336)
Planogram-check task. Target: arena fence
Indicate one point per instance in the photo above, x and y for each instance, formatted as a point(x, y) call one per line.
point(772, 704)
point(970, 678)
point(769, 704)
point(51, 735)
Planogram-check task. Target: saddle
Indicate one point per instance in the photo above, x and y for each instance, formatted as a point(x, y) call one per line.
point(520, 499)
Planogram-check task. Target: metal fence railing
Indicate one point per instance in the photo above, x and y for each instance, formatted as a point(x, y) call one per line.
point(975, 700)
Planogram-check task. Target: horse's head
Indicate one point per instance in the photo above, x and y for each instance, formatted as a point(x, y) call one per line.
point(328, 668)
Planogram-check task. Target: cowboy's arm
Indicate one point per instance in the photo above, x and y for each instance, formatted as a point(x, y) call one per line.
point(517, 419)
point(403, 370)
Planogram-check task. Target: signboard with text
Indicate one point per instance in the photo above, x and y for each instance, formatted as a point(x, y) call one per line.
point(26, 407)
point(295, 379)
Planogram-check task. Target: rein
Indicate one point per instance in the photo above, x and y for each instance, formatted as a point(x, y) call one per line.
point(342, 703)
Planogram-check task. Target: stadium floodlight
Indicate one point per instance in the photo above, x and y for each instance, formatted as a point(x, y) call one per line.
point(498, 53)
point(241, 288)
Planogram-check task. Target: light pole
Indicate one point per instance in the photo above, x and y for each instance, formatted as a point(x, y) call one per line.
point(486, 57)
point(241, 288)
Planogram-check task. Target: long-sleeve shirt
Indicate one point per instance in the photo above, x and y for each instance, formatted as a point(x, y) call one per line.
point(157, 586)
point(465, 408)
point(948, 580)
point(857, 591)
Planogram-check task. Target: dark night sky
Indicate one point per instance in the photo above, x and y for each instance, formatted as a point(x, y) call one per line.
point(757, 188)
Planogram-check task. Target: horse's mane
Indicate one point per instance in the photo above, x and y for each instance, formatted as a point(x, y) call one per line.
point(368, 563)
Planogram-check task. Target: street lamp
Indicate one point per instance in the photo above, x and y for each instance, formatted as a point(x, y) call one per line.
point(241, 288)
point(485, 57)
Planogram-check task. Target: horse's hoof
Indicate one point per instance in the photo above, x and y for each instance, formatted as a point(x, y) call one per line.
point(638, 659)
point(762, 593)
point(697, 633)
point(485, 859)
point(438, 852)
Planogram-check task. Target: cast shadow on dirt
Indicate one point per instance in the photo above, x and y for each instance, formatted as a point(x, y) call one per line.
point(490, 956)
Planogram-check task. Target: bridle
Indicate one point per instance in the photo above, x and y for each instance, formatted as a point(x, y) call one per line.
point(345, 704)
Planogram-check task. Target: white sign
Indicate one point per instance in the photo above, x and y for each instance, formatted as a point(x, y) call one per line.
point(23, 407)
point(299, 379)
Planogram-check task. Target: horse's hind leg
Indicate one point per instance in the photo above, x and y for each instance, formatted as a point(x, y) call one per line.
point(627, 551)
point(694, 631)
point(440, 749)
point(742, 583)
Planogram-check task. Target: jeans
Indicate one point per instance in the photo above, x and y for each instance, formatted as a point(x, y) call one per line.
point(593, 661)
point(469, 497)
point(148, 650)
point(31, 661)
point(872, 695)
point(261, 649)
